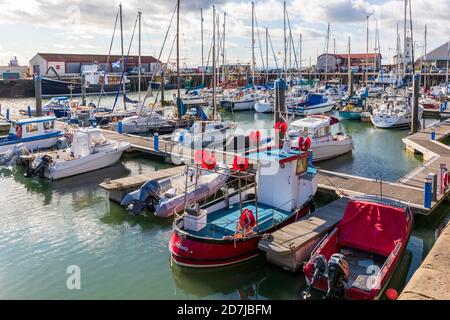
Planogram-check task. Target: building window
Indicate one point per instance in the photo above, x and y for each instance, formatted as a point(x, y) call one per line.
point(73, 67)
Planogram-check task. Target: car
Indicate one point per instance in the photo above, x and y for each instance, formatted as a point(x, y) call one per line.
point(442, 71)
point(434, 70)
point(135, 71)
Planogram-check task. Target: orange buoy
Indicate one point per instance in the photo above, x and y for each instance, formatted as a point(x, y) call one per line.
point(391, 294)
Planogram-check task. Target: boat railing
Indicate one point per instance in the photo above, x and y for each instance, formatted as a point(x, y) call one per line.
point(384, 200)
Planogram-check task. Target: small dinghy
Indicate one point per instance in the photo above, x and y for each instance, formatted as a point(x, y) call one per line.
point(357, 259)
point(167, 197)
point(90, 151)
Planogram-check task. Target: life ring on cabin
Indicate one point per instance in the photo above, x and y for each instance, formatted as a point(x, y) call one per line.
point(254, 137)
point(247, 221)
point(304, 145)
point(282, 127)
point(19, 132)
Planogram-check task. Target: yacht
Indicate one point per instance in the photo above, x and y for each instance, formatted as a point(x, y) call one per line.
point(323, 142)
point(392, 113)
point(312, 103)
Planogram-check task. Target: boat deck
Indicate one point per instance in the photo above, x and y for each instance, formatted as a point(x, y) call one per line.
point(223, 223)
point(290, 246)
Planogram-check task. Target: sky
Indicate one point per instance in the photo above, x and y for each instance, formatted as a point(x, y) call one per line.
point(86, 26)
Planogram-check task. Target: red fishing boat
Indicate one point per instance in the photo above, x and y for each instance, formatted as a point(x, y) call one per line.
point(227, 230)
point(356, 260)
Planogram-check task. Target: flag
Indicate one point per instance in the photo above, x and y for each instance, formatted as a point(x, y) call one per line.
point(117, 65)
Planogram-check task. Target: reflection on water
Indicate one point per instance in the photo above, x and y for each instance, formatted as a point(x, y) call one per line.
point(47, 226)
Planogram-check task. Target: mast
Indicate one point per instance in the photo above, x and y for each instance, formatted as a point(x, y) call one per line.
point(349, 71)
point(223, 46)
point(284, 37)
point(178, 49)
point(123, 55)
point(300, 49)
point(253, 43)
point(448, 58)
point(203, 58)
point(267, 55)
point(140, 53)
point(424, 56)
point(404, 39)
point(367, 50)
point(327, 47)
point(214, 63)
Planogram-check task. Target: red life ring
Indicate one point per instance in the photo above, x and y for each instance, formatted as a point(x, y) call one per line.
point(19, 131)
point(301, 140)
point(247, 220)
point(240, 164)
point(445, 179)
point(306, 145)
point(282, 127)
point(254, 136)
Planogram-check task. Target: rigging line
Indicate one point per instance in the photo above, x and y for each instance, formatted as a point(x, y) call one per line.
point(126, 61)
point(273, 50)
point(159, 59)
point(102, 90)
point(292, 39)
point(259, 40)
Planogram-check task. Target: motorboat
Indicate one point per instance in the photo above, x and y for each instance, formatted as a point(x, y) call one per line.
point(193, 97)
point(429, 103)
point(227, 229)
point(324, 143)
point(169, 196)
point(313, 103)
point(242, 99)
point(392, 113)
point(90, 151)
point(358, 258)
point(352, 108)
point(35, 133)
point(205, 134)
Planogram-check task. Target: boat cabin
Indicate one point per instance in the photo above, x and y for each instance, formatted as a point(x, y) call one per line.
point(86, 141)
point(285, 179)
point(314, 127)
point(27, 129)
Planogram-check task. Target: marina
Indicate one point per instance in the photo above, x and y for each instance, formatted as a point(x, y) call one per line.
point(210, 172)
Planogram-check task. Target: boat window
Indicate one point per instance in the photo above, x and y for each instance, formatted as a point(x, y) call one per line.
point(32, 127)
point(302, 165)
point(49, 125)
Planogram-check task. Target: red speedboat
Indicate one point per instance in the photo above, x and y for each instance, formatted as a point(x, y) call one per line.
point(227, 230)
point(356, 260)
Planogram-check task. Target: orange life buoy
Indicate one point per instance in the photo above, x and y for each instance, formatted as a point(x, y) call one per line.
point(19, 131)
point(247, 220)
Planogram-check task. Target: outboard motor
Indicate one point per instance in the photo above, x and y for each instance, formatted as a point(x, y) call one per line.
point(145, 197)
point(39, 170)
point(320, 270)
point(337, 275)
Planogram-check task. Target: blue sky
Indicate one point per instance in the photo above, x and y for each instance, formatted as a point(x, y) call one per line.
point(81, 26)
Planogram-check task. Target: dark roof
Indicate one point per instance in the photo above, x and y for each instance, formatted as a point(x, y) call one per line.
point(354, 55)
point(90, 58)
point(440, 53)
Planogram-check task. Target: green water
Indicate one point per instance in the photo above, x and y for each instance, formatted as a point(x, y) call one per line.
point(46, 227)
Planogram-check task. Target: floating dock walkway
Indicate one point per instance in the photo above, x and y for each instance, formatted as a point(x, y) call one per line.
point(411, 188)
point(290, 246)
point(120, 187)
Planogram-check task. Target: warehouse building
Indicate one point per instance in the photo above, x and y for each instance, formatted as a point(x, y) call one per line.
point(61, 64)
point(339, 62)
point(435, 58)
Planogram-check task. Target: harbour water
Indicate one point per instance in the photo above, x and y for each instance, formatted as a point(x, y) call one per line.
point(45, 227)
